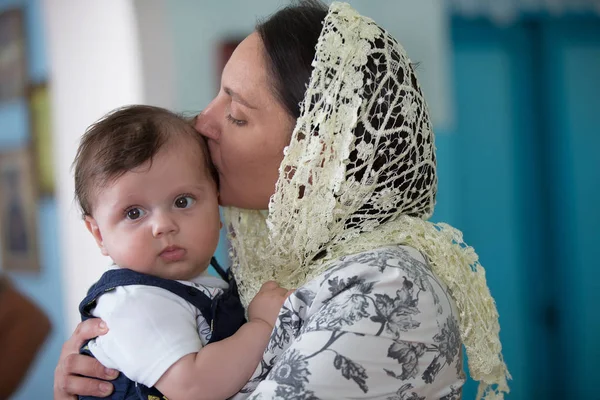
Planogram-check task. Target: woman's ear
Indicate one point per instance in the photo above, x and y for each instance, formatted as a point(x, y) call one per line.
point(92, 226)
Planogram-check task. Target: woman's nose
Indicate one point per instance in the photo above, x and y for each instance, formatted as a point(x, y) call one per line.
point(163, 224)
point(206, 124)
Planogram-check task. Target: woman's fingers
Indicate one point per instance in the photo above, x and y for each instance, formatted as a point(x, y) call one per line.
point(85, 331)
point(80, 364)
point(69, 382)
point(78, 374)
point(69, 386)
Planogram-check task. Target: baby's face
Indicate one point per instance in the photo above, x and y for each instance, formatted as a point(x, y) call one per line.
point(161, 218)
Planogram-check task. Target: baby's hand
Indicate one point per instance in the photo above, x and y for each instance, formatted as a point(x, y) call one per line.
point(267, 303)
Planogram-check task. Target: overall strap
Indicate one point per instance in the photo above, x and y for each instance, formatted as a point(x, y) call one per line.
point(215, 264)
point(126, 277)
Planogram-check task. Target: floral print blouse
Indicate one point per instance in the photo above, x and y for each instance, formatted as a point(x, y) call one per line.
point(376, 325)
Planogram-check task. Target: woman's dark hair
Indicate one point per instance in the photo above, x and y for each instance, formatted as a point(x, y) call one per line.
point(290, 37)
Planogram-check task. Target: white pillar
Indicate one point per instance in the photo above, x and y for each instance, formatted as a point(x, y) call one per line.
point(94, 58)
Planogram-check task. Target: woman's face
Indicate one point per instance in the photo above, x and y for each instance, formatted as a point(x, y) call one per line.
point(247, 129)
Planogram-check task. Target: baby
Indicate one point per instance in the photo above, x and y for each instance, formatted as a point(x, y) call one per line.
point(149, 197)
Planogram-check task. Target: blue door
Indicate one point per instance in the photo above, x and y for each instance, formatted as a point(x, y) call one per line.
point(571, 54)
point(525, 183)
point(493, 113)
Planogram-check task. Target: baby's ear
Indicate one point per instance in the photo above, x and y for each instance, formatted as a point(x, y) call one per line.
point(92, 226)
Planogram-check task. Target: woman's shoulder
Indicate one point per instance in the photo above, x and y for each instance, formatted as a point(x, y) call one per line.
point(396, 256)
point(385, 264)
point(384, 278)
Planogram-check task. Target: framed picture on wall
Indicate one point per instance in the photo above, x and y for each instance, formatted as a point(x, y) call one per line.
point(41, 135)
point(18, 212)
point(13, 66)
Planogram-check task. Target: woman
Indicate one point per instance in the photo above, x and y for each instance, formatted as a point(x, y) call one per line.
point(349, 181)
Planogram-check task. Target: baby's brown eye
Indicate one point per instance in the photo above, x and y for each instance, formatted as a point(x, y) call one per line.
point(134, 213)
point(184, 202)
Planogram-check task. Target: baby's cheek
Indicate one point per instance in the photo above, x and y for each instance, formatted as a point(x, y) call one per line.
point(132, 253)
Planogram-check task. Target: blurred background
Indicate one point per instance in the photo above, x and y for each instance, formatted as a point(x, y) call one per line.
point(514, 90)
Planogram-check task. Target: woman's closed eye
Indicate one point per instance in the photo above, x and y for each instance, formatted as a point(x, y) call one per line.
point(184, 201)
point(235, 121)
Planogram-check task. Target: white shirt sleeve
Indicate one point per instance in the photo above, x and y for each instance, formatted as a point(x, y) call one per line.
point(150, 329)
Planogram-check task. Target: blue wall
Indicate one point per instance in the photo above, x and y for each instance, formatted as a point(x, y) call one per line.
point(44, 288)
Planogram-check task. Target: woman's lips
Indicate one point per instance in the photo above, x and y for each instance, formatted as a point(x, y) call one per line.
point(172, 254)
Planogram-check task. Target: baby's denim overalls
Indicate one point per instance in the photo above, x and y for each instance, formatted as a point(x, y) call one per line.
point(224, 313)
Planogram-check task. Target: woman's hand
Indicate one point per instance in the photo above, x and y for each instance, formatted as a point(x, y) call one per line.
point(78, 374)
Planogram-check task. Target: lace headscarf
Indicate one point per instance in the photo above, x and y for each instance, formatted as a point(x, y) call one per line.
point(358, 174)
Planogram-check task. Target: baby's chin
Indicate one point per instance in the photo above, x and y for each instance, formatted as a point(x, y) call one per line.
point(177, 271)
point(185, 272)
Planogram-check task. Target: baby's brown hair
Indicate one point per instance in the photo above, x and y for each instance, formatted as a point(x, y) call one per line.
point(123, 140)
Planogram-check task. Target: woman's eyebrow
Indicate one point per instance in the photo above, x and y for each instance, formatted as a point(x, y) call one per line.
point(236, 97)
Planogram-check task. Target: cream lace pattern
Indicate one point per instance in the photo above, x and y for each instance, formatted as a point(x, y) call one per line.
point(360, 173)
